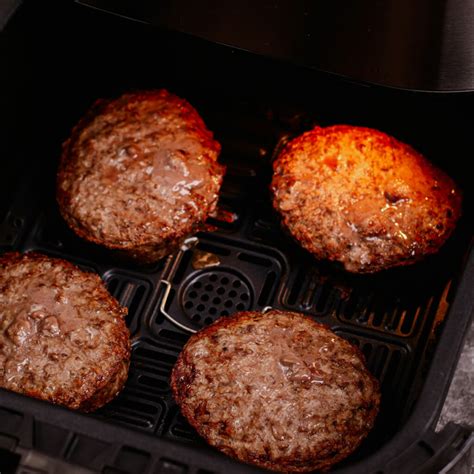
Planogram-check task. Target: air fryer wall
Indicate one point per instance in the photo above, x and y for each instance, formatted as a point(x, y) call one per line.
point(423, 45)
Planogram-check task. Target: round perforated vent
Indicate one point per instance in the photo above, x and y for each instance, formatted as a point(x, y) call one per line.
point(215, 293)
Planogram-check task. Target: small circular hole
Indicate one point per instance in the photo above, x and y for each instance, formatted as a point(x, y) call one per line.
point(192, 294)
point(232, 293)
point(216, 300)
point(208, 320)
point(197, 285)
point(196, 317)
point(212, 310)
point(240, 306)
point(220, 290)
point(208, 287)
point(228, 304)
point(17, 222)
point(213, 277)
point(224, 281)
point(224, 313)
point(244, 297)
point(236, 284)
point(188, 304)
point(200, 307)
point(205, 297)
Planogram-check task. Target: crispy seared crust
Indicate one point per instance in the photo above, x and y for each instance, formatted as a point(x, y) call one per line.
point(76, 348)
point(360, 197)
point(114, 385)
point(123, 182)
point(223, 405)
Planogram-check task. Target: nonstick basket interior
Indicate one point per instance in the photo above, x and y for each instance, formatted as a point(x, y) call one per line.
point(247, 262)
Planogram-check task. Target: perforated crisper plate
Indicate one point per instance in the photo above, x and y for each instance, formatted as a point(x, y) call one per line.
point(215, 293)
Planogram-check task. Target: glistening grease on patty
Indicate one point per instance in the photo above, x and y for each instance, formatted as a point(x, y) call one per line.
point(63, 337)
point(139, 174)
point(360, 197)
point(277, 390)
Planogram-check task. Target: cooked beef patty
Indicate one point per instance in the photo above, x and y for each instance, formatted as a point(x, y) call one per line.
point(139, 174)
point(360, 197)
point(277, 390)
point(62, 335)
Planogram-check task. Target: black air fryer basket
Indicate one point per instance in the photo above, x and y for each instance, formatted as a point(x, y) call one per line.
point(409, 322)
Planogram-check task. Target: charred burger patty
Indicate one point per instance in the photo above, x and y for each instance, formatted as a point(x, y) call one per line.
point(360, 197)
point(62, 335)
point(139, 174)
point(277, 390)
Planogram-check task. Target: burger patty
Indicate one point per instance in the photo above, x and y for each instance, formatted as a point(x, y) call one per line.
point(62, 335)
point(360, 197)
point(277, 390)
point(139, 174)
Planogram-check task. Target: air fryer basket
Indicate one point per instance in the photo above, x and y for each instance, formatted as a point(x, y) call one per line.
point(408, 322)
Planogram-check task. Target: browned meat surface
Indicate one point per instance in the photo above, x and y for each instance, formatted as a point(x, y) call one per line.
point(360, 197)
point(277, 390)
point(62, 335)
point(139, 174)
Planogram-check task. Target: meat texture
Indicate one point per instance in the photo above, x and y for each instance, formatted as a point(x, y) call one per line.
point(277, 390)
point(62, 335)
point(139, 174)
point(362, 198)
